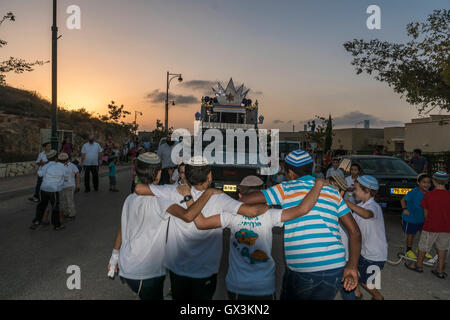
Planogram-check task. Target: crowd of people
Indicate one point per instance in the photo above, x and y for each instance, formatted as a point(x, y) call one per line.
point(334, 233)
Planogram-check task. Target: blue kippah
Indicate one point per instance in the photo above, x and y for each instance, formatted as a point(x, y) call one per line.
point(298, 158)
point(368, 182)
point(440, 175)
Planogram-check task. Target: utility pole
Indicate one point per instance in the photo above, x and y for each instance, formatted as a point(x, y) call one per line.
point(54, 138)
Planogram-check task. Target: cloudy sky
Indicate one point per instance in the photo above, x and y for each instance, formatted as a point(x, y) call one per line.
point(289, 53)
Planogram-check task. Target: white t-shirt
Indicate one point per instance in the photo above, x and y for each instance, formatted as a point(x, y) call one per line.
point(41, 157)
point(251, 269)
point(349, 196)
point(53, 175)
point(70, 181)
point(144, 228)
point(91, 151)
point(191, 252)
point(374, 245)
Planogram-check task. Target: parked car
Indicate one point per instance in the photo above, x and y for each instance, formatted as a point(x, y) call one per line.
point(395, 177)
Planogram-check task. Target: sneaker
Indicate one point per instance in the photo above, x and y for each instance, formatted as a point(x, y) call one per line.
point(410, 254)
point(59, 228)
point(34, 226)
point(34, 199)
point(428, 256)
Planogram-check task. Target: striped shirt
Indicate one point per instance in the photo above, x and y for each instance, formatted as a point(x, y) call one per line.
point(312, 242)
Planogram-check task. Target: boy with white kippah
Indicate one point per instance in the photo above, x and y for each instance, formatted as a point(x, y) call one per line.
point(251, 271)
point(315, 255)
point(369, 217)
point(140, 244)
point(436, 229)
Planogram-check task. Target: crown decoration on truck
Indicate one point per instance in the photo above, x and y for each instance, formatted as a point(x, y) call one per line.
point(229, 96)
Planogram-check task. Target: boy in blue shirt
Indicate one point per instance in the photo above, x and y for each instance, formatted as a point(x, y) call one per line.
point(112, 174)
point(412, 213)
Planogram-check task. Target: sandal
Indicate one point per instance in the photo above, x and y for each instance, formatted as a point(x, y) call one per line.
point(414, 268)
point(440, 275)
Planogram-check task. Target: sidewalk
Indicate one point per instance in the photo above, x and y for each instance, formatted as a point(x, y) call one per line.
point(18, 186)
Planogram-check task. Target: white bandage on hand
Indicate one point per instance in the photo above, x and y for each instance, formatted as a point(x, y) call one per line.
point(113, 263)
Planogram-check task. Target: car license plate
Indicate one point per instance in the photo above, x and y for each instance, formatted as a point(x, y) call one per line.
point(400, 190)
point(229, 188)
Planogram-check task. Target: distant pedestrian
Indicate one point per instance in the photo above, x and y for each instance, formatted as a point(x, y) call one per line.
point(147, 146)
point(112, 175)
point(355, 172)
point(334, 169)
point(53, 174)
point(91, 155)
point(418, 163)
point(165, 154)
point(436, 229)
point(71, 185)
point(40, 161)
point(67, 147)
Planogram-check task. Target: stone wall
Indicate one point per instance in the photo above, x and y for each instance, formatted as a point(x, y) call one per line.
point(17, 169)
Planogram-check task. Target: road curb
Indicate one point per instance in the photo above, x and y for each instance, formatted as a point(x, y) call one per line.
point(30, 190)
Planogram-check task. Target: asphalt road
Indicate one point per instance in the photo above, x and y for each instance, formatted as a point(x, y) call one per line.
point(33, 264)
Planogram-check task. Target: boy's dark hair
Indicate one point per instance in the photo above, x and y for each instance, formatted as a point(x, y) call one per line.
point(440, 182)
point(75, 162)
point(354, 164)
point(422, 176)
point(418, 151)
point(111, 159)
point(300, 171)
point(196, 175)
point(45, 144)
point(372, 192)
point(246, 190)
point(54, 158)
point(147, 172)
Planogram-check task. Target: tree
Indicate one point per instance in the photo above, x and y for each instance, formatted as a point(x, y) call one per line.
point(116, 113)
point(418, 70)
point(322, 134)
point(160, 131)
point(14, 64)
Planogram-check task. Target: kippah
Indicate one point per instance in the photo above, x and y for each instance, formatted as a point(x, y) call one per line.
point(63, 156)
point(197, 161)
point(298, 158)
point(440, 175)
point(149, 158)
point(51, 154)
point(368, 182)
point(251, 181)
point(340, 181)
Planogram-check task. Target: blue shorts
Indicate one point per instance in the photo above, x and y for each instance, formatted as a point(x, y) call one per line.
point(112, 180)
point(367, 268)
point(411, 228)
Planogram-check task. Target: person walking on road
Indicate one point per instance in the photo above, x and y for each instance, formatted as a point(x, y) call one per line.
point(419, 163)
point(41, 161)
point(71, 185)
point(91, 155)
point(53, 175)
point(165, 154)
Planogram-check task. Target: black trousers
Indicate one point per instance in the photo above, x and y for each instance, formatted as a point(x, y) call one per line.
point(185, 288)
point(236, 296)
point(46, 198)
point(148, 289)
point(165, 178)
point(87, 177)
point(38, 187)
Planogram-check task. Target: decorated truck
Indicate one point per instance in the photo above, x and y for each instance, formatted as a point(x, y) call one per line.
point(229, 110)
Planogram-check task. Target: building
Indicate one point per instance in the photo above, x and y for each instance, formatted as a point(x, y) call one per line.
point(394, 139)
point(430, 134)
point(301, 136)
point(357, 139)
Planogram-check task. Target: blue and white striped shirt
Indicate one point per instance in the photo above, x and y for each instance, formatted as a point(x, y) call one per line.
point(311, 242)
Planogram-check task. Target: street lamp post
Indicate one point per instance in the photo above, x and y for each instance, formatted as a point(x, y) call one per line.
point(170, 77)
point(54, 138)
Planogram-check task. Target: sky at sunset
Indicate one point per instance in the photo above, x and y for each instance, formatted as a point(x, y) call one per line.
point(289, 53)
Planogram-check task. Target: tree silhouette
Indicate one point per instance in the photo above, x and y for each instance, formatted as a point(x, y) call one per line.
point(419, 69)
point(14, 64)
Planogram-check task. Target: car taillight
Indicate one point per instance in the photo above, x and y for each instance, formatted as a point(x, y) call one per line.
point(230, 173)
